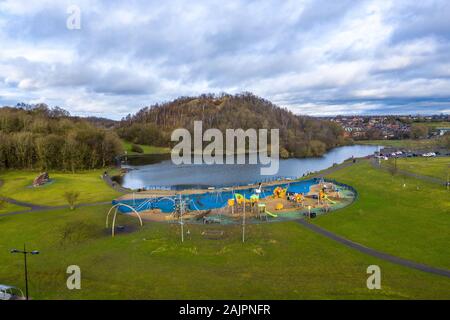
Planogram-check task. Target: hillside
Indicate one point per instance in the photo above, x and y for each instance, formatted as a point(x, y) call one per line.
point(43, 138)
point(300, 136)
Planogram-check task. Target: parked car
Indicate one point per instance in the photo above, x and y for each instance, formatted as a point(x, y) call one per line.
point(429, 154)
point(10, 293)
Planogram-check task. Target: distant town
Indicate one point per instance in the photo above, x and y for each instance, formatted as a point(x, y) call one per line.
point(393, 127)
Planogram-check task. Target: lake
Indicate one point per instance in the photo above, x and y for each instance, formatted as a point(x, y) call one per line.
point(159, 171)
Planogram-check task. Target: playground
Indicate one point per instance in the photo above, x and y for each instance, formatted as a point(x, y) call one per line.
point(279, 201)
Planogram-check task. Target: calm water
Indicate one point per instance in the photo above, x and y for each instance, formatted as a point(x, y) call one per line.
point(162, 172)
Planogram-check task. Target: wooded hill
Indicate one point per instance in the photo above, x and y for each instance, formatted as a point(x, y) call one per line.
point(38, 137)
point(300, 136)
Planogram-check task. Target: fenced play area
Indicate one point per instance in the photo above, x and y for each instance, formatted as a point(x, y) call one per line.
point(282, 201)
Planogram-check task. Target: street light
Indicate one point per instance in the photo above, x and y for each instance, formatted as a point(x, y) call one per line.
point(25, 252)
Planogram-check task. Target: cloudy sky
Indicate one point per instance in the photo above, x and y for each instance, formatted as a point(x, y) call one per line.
point(315, 57)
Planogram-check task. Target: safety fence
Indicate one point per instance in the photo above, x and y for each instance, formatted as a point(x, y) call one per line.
point(218, 186)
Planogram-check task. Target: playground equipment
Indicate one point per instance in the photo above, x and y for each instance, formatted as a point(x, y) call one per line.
point(239, 198)
point(299, 198)
point(116, 206)
point(324, 197)
point(262, 211)
point(228, 205)
point(271, 214)
point(254, 199)
point(279, 193)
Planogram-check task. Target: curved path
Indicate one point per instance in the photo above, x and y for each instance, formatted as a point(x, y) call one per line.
point(373, 252)
point(32, 206)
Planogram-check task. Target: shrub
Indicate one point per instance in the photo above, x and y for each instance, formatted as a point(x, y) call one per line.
point(71, 197)
point(136, 148)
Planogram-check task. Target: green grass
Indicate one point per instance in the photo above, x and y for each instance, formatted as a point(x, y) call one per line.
point(406, 143)
point(147, 149)
point(17, 185)
point(278, 261)
point(6, 207)
point(395, 214)
point(434, 125)
point(402, 216)
point(438, 167)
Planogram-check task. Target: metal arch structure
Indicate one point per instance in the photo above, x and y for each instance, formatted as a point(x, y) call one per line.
point(165, 198)
point(116, 206)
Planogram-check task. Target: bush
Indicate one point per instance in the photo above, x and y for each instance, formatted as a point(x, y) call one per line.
point(284, 154)
point(71, 197)
point(136, 148)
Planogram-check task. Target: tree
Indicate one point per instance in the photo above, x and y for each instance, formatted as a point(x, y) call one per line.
point(284, 154)
point(419, 131)
point(32, 137)
point(71, 197)
point(137, 148)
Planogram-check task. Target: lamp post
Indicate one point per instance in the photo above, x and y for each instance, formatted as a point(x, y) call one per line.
point(25, 252)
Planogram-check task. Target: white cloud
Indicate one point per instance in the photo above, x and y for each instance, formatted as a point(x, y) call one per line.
point(316, 57)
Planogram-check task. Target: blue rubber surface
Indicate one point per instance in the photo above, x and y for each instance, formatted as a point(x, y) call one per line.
point(210, 200)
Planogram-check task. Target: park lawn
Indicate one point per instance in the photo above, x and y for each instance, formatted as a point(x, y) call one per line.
point(399, 215)
point(6, 207)
point(147, 149)
point(434, 125)
point(17, 185)
point(438, 167)
point(278, 261)
point(405, 143)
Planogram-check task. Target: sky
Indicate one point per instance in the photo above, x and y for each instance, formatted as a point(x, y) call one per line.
point(313, 57)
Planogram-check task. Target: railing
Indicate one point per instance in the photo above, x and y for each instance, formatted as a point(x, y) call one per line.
point(220, 186)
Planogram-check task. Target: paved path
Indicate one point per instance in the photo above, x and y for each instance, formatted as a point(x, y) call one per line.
point(115, 185)
point(36, 208)
point(23, 203)
point(373, 252)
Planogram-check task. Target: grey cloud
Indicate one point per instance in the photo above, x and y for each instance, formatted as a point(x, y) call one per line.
point(138, 53)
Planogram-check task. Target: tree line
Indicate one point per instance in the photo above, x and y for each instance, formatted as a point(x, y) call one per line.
point(39, 137)
point(300, 136)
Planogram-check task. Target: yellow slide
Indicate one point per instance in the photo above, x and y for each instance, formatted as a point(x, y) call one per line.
point(271, 214)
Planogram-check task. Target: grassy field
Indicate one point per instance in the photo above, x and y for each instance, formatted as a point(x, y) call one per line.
point(6, 207)
point(17, 185)
point(438, 167)
point(147, 149)
point(433, 125)
point(396, 214)
point(278, 261)
point(406, 143)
